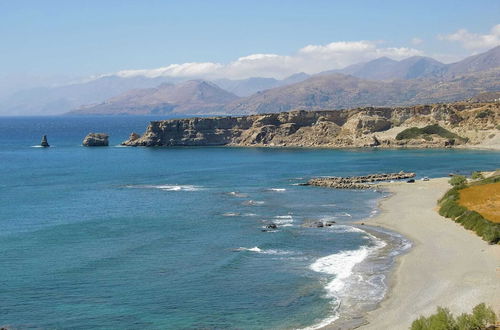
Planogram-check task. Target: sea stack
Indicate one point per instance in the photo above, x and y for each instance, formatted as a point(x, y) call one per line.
point(44, 142)
point(96, 140)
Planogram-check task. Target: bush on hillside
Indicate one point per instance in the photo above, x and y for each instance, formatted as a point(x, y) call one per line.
point(482, 316)
point(458, 180)
point(477, 175)
point(415, 132)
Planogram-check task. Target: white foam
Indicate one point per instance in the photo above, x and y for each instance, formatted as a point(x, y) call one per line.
point(249, 214)
point(341, 265)
point(256, 249)
point(230, 214)
point(277, 189)
point(237, 194)
point(167, 187)
point(283, 220)
point(252, 202)
point(177, 187)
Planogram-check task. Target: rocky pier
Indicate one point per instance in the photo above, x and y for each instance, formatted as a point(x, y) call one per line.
point(357, 182)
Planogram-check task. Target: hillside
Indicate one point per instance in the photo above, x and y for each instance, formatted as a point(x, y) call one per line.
point(338, 91)
point(190, 97)
point(387, 69)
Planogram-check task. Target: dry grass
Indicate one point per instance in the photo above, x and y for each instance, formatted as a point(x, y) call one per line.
point(484, 199)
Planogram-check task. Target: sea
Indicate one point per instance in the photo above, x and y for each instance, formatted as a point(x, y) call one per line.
point(175, 238)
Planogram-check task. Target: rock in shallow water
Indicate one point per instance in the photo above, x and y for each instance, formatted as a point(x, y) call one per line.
point(44, 142)
point(96, 140)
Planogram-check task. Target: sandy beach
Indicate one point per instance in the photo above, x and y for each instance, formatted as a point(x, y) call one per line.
point(447, 266)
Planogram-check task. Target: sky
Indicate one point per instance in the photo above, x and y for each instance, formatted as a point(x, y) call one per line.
point(47, 41)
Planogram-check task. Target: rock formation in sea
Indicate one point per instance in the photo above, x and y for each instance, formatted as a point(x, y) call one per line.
point(423, 126)
point(357, 182)
point(44, 142)
point(96, 140)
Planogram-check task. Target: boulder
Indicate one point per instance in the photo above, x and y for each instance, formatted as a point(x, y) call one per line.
point(44, 142)
point(272, 226)
point(96, 140)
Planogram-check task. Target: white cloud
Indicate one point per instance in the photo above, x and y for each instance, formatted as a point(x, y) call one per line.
point(416, 41)
point(474, 41)
point(310, 59)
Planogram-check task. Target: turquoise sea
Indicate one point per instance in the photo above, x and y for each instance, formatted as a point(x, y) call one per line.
point(171, 238)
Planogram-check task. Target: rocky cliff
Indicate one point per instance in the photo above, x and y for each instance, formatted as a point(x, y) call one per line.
point(477, 124)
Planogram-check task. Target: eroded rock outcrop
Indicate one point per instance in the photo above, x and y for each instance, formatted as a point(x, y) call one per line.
point(362, 127)
point(96, 140)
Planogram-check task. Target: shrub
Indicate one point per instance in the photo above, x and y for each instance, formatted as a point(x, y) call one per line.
point(484, 114)
point(415, 132)
point(477, 175)
point(458, 180)
point(481, 317)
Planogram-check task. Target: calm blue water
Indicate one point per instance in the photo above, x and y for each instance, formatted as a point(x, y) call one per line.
point(172, 238)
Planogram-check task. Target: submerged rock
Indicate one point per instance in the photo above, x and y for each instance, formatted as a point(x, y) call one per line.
point(96, 140)
point(357, 182)
point(44, 142)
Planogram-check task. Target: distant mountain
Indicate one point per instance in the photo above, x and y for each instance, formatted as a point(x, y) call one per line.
point(57, 100)
point(420, 67)
point(481, 62)
point(190, 97)
point(247, 87)
point(387, 69)
point(337, 91)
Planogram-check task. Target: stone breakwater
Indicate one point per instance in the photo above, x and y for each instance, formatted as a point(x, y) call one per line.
point(362, 127)
point(357, 182)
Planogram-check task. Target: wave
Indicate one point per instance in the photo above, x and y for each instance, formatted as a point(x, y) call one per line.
point(167, 187)
point(283, 220)
point(341, 266)
point(253, 203)
point(230, 214)
point(237, 194)
point(276, 189)
point(256, 249)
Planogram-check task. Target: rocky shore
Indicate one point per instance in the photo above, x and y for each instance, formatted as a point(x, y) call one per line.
point(357, 182)
point(456, 125)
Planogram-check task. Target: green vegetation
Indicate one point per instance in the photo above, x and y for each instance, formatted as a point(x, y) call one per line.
point(450, 208)
point(484, 114)
point(458, 180)
point(415, 132)
point(482, 316)
point(477, 175)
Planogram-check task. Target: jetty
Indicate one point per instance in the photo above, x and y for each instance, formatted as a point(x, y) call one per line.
point(357, 182)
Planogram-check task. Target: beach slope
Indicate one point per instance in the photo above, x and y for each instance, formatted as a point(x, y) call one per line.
point(448, 265)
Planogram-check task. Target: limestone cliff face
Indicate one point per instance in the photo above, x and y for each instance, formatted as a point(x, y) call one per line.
point(362, 127)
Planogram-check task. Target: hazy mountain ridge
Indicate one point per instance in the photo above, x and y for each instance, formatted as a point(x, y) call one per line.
point(338, 91)
point(380, 82)
point(190, 97)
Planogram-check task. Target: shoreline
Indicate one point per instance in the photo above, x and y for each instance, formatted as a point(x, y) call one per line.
point(446, 266)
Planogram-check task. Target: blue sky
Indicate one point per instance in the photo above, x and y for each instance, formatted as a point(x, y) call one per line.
point(81, 38)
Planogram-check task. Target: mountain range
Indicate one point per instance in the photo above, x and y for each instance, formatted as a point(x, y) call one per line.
point(380, 82)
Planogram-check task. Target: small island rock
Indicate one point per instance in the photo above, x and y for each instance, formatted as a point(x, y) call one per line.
point(96, 140)
point(44, 142)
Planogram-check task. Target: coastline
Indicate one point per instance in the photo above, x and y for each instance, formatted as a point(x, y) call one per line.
point(447, 265)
